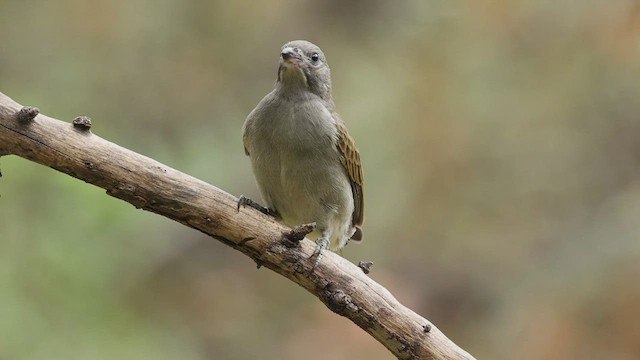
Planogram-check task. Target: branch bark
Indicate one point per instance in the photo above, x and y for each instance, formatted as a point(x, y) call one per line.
point(152, 186)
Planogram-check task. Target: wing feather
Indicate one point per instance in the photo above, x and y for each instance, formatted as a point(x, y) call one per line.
point(351, 161)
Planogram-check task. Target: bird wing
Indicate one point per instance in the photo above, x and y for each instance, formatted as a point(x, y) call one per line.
point(351, 161)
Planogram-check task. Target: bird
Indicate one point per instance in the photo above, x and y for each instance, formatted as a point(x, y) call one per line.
point(306, 164)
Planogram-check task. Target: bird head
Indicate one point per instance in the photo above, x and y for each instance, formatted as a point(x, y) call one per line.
point(303, 65)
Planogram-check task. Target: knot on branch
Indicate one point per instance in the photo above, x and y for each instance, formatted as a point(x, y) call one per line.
point(293, 237)
point(27, 114)
point(82, 123)
point(365, 266)
point(426, 328)
point(338, 301)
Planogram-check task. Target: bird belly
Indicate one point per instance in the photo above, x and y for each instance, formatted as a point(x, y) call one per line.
point(316, 193)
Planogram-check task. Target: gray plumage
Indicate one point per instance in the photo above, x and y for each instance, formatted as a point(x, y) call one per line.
point(305, 162)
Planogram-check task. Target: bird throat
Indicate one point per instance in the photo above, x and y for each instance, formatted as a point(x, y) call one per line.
point(291, 75)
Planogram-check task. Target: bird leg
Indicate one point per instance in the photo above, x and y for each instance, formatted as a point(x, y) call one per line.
point(245, 201)
point(322, 243)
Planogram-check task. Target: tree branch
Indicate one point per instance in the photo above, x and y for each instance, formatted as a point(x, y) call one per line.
point(152, 186)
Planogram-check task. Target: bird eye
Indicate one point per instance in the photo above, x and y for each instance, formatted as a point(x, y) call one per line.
point(315, 57)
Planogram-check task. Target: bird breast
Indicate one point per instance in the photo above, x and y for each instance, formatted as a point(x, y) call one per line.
point(297, 166)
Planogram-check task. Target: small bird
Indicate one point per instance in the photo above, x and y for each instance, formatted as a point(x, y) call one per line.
point(306, 164)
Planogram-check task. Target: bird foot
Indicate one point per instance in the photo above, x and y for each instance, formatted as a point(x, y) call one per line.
point(321, 245)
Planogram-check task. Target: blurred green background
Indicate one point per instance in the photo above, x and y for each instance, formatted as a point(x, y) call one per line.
point(501, 149)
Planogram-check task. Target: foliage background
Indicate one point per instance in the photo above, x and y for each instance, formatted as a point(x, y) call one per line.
point(501, 148)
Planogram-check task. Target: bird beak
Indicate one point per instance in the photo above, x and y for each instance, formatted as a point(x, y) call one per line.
point(289, 55)
point(291, 66)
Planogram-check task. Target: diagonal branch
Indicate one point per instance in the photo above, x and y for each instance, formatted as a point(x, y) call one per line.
point(152, 186)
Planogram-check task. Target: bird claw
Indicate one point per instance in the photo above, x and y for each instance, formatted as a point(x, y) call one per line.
point(245, 201)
